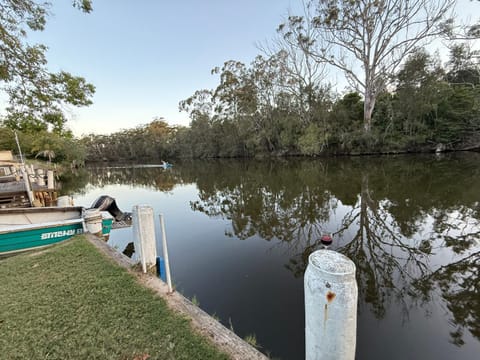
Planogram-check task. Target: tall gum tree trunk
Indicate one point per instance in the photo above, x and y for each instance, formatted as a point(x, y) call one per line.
point(368, 106)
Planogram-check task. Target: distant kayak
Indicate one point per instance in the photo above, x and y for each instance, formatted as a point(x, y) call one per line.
point(165, 165)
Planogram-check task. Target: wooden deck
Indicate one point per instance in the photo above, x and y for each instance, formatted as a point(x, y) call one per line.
point(14, 194)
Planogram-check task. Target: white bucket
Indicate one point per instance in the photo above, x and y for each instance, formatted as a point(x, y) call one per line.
point(63, 201)
point(93, 221)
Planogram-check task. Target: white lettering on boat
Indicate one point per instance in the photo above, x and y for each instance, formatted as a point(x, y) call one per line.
point(61, 233)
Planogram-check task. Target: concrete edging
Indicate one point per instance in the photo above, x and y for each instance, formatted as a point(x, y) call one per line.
point(222, 337)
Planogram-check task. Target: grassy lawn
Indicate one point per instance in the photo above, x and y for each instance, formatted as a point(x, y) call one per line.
point(69, 302)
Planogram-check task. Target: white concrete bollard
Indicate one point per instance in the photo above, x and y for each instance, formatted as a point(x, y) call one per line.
point(50, 180)
point(331, 296)
point(143, 228)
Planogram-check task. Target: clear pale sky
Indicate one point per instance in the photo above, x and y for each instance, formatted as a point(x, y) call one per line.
point(145, 56)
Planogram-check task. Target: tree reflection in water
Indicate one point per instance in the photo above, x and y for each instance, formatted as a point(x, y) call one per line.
point(101, 175)
point(410, 224)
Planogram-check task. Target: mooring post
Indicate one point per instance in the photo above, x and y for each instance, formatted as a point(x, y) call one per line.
point(40, 177)
point(330, 307)
point(165, 254)
point(50, 180)
point(143, 228)
point(28, 186)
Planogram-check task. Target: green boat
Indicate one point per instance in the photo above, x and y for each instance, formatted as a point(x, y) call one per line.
point(23, 229)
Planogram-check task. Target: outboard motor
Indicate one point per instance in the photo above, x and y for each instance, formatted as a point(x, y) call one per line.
point(107, 203)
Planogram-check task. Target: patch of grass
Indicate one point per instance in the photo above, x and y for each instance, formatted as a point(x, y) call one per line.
point(195, 301)
point(71, 302)
point(252, 340)
point(231, 324)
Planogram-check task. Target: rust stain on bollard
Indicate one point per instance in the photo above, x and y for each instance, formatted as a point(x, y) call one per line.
point(330, 296)
point(325, 317)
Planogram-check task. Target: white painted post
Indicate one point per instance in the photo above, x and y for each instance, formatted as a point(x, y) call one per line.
point(143, 228)
point(28, 188)
point(19, 148)
point(331, 296)
point(50, 180)
point(40, 177)
point(165, 254)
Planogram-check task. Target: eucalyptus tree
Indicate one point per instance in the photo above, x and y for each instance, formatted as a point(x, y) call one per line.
point(36, 96)
point(235, 95)
point(464, 65)
point(459, 122)
point(202, 111)
point(367, 40)
point(420, 89)
point(306, 78)
point(273, 128)
point(199, 105)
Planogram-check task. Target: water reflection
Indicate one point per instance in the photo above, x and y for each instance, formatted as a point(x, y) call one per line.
point(410, 224)
point(101, 175)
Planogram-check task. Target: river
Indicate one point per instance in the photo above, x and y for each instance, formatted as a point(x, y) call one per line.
point(240, 232)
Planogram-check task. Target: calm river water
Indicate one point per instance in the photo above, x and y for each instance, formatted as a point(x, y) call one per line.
point(240, 232)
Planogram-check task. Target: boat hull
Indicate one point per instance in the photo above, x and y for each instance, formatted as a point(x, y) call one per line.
point(26, 229)
point(27, 237)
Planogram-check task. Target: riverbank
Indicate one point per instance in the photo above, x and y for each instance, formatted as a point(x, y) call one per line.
point(72, 301)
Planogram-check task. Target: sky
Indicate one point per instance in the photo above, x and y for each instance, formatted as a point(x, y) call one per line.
point(145, 56)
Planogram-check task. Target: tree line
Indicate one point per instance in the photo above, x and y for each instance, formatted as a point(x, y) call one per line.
point(400, 97)
point(257, 110)
point(260, 109)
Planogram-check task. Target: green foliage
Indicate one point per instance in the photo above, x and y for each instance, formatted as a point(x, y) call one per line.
point(7, 139)
point(84, 5)
point(259, 109)
point(347, 114)
point(195, 301)
point(458, 114)
point(313, 141)
point(36, 96)
point(462, 67)
point(51, 146)
point(155, 140)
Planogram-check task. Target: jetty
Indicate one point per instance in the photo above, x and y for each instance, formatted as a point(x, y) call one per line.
point(25, 185)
